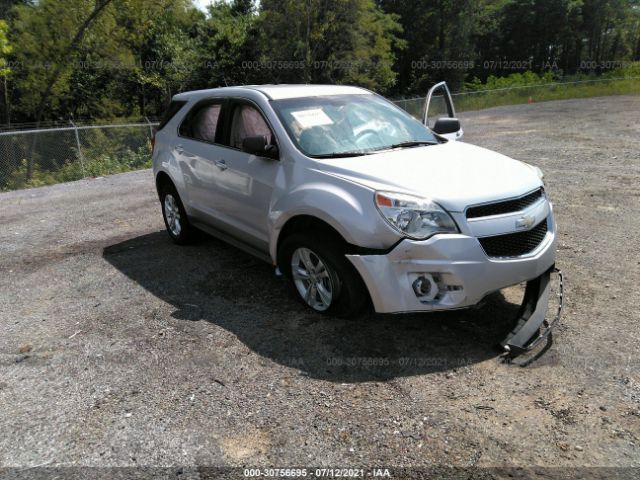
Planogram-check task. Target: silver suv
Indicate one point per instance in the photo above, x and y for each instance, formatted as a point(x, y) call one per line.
point(352, 199)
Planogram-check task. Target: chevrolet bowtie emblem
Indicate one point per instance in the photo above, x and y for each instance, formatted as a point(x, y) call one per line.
point(525, 223)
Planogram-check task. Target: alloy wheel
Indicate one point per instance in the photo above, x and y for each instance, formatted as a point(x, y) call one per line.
point(311, 278)
point(172, 214)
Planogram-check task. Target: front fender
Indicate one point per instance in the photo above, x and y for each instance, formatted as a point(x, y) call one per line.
point(351, 214)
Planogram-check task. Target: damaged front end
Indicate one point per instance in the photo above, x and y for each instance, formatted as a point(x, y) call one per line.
point(534, 324)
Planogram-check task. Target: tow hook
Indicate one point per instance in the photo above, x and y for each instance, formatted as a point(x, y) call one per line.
point(533, 326)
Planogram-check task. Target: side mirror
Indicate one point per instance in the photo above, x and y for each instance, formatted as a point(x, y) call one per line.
point(446, 125)
point(449, 128)
point(258, 146)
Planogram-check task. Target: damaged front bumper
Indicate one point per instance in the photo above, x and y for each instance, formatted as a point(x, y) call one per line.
point(458, 272)
point(533, 324)
point(448, 272)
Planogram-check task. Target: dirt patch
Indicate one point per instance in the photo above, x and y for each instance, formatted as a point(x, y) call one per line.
point(249, 445)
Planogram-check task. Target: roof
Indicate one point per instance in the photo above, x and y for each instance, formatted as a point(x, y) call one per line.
point(279, 92)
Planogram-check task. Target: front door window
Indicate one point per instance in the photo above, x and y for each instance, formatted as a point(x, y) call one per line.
point(248, 122)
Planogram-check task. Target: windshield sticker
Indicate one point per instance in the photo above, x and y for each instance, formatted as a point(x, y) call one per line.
point(312, 118)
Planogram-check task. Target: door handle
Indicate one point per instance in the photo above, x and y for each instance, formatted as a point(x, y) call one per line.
point(221, 164)
point(179, 148)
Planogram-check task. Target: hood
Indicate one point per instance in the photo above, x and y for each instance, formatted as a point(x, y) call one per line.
point(453, 174)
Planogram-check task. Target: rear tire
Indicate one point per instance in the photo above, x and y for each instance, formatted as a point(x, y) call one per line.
point(321, 276)
point(175, 216)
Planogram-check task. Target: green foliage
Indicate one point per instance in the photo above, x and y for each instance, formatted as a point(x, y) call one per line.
point(138, 53)
point(529, 78)
point(43, 32)
point(513, 80)
point(530, 87)
point(5, 49)
point(135, 55)
point(98, 162)
point(457, 40)
point(439, 34)
point(161, 50)
point(629, 70)
point(225, 39)
point(330, 41)
point(562, 91)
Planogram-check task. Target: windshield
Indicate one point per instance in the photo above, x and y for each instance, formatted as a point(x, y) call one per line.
point(345, 125)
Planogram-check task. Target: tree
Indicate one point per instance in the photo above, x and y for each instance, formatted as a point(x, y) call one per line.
point(226, 42)
point(66, 54)
point(544, 30)
point(439, 36)
point(50, 39)
point(159, 41)
point(5, 50)
point(330, 41)
point(132, 55)
point(6, 7)
point(135, 54)
point(610, 28)
point(242, 7)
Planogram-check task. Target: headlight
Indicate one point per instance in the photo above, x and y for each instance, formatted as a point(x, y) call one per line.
point(414, 217)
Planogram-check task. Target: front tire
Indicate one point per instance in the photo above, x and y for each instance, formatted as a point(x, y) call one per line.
point(175, 216)
point(321, 276)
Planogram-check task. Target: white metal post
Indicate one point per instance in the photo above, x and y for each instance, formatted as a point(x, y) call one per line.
point(80, 155)
point(150, 128)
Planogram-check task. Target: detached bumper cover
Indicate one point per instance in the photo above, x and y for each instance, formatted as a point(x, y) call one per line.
point(533, 325)
point(460, 267)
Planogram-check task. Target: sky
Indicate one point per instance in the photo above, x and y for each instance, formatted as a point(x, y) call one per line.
point(202, 4)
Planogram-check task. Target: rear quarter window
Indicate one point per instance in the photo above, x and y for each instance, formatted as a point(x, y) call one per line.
point(174, 107)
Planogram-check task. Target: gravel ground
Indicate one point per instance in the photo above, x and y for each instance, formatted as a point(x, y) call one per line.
point(119, 348)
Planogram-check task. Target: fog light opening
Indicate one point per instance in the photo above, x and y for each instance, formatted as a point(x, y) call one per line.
point(425, 287)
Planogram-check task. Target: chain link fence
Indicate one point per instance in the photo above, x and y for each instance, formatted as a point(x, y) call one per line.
point(43, 156)
point(518, 94)
point(36, 157)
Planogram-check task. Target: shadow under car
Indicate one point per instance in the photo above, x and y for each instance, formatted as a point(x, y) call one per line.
point(215, 282)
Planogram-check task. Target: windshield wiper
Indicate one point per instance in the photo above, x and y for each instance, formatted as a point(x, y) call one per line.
point(412, 143)
point(341, 155)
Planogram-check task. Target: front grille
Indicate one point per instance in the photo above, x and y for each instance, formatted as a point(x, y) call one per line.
point(507, 206)
point(514, 244)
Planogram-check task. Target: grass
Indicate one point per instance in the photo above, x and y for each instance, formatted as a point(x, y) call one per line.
point(96, 164)
point(479, 100)
point(526, 87)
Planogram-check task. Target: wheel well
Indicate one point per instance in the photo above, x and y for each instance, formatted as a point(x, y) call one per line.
point(308, 223)
point(162, 180)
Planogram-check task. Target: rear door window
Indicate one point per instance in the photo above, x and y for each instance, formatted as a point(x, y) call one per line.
point(202, 122)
